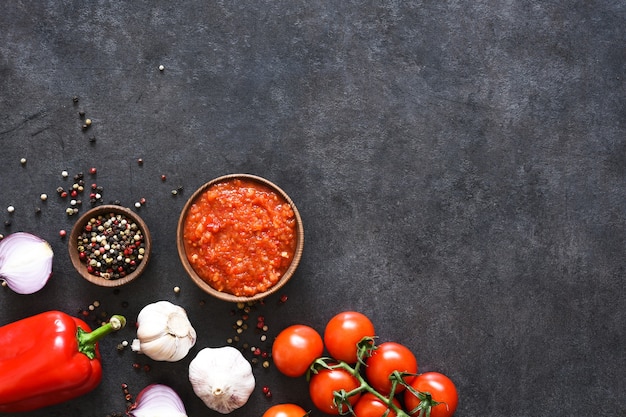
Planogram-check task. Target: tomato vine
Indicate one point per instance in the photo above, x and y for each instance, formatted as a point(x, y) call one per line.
point(342, 397)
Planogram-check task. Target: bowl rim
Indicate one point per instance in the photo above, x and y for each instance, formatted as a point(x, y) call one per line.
point(77, 229)
point(224, 296)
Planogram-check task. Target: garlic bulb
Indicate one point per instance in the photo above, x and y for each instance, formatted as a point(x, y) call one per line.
point(164, 332)
point(222, 378)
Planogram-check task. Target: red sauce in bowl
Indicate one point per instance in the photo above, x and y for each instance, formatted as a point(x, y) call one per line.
point(240, 237)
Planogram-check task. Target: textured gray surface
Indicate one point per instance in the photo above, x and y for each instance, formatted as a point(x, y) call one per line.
point(459, 166)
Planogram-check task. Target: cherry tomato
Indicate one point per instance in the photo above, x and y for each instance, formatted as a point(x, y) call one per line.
point(370, 405)
point(285, 410)
point(295, 348)
point(343, 332)
point(440, 388)
point(323, 385)
point(387, 358)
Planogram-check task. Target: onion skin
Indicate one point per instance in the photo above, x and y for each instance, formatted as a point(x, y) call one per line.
point(25, 262)
point(158, 400)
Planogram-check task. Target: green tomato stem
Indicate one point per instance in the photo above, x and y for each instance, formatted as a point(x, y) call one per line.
point(364, 386)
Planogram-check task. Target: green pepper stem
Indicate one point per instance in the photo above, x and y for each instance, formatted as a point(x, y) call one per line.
point(87, 340)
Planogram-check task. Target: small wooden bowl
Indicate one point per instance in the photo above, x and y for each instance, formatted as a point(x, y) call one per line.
point(77, 230)
point(224, 295)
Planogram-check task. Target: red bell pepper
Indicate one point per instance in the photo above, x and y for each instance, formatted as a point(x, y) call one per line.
point(49, 358)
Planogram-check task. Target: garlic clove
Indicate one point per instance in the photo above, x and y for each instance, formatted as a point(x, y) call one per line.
point(178, 325)
point(160, 349)
point(150, 328)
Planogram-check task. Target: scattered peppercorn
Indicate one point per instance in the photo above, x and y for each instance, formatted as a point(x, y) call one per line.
point(23, 161)
point(93, 171)
point(75, 99)
point(163, 178)
point(62, 233)
point(10, 209)
point(161, 68)
point(140, 161)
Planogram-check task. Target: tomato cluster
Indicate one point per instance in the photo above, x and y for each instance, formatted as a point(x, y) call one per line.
point(359, 377)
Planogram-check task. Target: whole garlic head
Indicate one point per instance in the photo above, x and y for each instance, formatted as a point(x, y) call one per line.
point(222, 378)
point(164, 332)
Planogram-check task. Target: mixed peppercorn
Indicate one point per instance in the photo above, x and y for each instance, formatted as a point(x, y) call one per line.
point(111, 245)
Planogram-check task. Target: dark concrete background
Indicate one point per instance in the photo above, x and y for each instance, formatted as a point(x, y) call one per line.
point(460, 169)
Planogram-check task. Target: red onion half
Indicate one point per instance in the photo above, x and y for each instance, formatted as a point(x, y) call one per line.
point(158, 400)
point(25, 262)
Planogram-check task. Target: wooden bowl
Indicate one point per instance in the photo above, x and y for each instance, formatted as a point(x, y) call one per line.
point(222, 295)
point(78, 229)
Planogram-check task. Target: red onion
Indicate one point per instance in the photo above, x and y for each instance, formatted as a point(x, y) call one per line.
point(158, 400)
point(25, 262)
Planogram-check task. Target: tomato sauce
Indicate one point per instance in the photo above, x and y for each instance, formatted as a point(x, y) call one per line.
point(240, 237)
